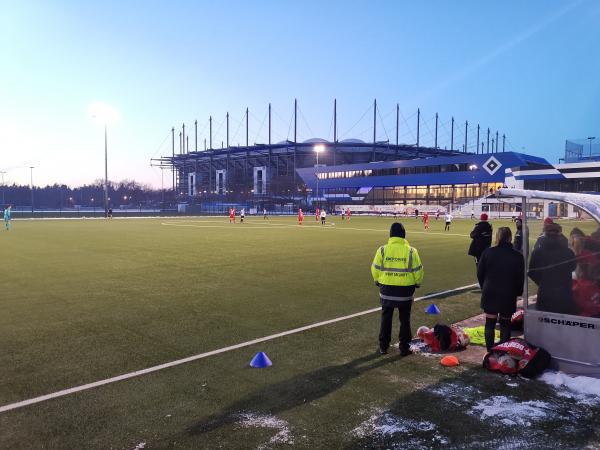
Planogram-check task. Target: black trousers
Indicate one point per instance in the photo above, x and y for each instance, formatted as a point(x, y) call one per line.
point(387, 315)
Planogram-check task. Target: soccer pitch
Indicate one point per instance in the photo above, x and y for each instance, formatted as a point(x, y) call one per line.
point(87, 300)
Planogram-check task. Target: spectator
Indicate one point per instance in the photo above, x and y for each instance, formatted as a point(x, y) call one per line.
point(481, 237)
point(549, 221)
point(518, 240)
point(586, 290)
point(551, 267)
point(576, 239)
point(501, 275)
point(397, 271)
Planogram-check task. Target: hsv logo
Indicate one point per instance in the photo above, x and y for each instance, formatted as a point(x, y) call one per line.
point(492, 165)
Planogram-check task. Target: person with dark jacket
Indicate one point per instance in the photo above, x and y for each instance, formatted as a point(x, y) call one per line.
point(540, 239)
point(481, 237)
point(518, 241)
point(501, 275)
point(551, 266)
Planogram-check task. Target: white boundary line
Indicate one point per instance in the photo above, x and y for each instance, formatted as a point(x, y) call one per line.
point(178, 362)
point(329, 226)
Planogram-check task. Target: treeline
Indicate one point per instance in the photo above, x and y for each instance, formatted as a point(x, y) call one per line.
point(126, 192)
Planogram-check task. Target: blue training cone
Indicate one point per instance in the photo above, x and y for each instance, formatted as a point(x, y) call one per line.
point(260, 361)
point(432, 309)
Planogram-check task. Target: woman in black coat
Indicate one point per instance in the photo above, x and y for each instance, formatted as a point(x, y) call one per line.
point(501, 275)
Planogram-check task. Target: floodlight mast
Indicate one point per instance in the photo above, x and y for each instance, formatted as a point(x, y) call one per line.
point(104, 113)
point(318, 149)
point(105, 170)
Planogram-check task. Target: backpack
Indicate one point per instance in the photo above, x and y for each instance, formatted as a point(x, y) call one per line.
point(516, 356)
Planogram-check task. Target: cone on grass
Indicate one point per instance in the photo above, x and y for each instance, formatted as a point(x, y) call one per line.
point(260, 361)
point(432, 309)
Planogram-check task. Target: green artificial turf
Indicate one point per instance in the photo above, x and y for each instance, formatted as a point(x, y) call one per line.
point(84, 300)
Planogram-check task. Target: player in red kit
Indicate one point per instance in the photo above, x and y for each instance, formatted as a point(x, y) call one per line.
point(300, 216)
point(426, 220)
point(348, 214)
point(317, 214)
point(231, 215)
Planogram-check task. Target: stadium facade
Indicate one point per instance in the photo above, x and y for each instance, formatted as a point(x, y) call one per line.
point(355, 172)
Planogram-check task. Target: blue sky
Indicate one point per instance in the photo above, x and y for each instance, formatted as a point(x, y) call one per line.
point(528, 69)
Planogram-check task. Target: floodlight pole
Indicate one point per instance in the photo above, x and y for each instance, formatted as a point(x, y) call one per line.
point(105, 171)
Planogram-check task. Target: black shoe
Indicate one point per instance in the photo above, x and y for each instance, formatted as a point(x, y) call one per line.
point(383, 351)
point(405, 352)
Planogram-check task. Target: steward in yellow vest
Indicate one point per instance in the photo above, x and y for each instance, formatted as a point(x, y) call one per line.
point(398, 271)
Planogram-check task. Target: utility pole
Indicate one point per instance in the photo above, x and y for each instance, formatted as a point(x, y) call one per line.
point(466, 133)
point(195, 135)
point(488, 141)
point(452, 135)
point(477, 149)
point(210, 132)
point(503, 142)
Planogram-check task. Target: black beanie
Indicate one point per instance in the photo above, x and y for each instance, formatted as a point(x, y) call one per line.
point(397, 230)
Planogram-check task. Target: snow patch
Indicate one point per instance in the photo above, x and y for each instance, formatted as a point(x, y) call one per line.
point(254, 420)
point(140, 446)
point(456, 393)
point(384, 424)
point(512, 412)
point(585, 390)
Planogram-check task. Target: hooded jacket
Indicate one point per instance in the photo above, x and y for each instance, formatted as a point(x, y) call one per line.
point(551, 266)
point(481, 239)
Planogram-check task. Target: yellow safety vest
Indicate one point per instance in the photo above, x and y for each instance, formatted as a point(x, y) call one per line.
point(397, 264)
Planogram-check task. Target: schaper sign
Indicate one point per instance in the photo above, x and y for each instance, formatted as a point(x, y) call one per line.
point(568, 323)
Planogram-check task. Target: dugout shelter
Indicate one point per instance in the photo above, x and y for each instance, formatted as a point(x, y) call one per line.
point(572, 338)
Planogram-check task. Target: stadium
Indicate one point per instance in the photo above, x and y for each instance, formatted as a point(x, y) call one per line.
point(372, 177)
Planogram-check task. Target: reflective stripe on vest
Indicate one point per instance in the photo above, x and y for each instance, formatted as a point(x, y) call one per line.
point(410, 269)
point(394, 298)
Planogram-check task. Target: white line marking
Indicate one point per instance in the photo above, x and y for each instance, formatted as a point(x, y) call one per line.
point(178, 362)
point(329, 226)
